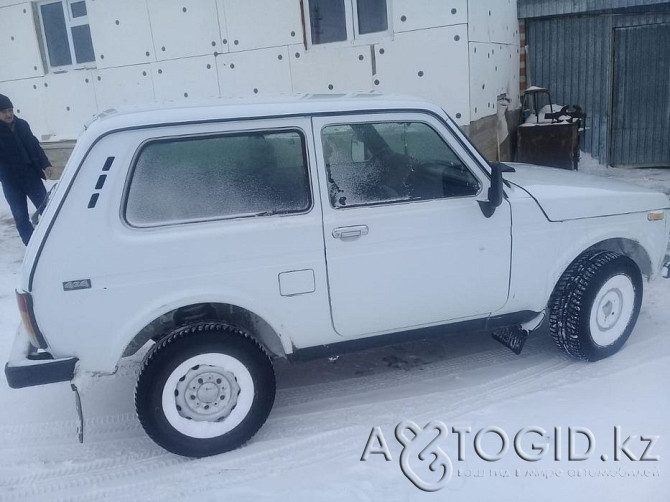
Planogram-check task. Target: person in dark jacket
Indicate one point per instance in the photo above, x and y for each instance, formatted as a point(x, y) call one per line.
point(22, 168)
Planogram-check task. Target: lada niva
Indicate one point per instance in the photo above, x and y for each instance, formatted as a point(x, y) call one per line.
point(232, 234)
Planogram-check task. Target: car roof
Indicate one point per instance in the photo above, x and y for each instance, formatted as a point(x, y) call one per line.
point(249, 108)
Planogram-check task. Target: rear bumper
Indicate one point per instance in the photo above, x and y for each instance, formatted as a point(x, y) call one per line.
point(22, 371)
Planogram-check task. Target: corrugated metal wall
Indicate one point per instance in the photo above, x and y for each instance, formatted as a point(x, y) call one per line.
point(640, 132)
point(572, 56)
point(544, 8)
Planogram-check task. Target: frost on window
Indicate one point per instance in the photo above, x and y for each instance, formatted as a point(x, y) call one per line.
point(197, 179)
point(385, 162)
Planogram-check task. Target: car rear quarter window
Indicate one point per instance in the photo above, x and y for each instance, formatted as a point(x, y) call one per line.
point(200, 178)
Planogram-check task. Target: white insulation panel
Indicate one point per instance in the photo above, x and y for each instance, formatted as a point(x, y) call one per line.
point(493, 72)
point(411, 15)
point(124, 86)
point(7, 3)
point(28, 97)
point(337, 69)
point(432, 64)
point(263, 71)
point(121, 32)
point(69, 103)
point(185, 28)
point(180, 80)
point(513, 81)
point(493, 21)
point(19, 50)
point(261, 23)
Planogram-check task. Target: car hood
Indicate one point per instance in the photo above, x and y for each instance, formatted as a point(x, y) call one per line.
point(568, 195)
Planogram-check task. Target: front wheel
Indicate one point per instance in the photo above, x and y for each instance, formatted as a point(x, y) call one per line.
point(595, 305)
point(204, 389)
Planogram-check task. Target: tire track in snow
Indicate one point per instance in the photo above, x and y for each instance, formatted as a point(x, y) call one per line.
point(68, 477)
point(92, 460)
point(135, 478)
point(16, 435)
point(302, 437)
point(151, 472)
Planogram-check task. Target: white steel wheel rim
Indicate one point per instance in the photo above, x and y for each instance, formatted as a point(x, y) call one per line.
point(612, 310)
point(232, 410)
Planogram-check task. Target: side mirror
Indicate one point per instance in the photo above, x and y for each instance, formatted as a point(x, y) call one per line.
point(495, 193)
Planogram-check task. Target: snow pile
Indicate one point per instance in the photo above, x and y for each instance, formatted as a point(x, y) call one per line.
point(543, 119)
point(655, 178)
point(547, 115)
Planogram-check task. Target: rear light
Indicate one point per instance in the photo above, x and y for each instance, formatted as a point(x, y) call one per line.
point(25, 303)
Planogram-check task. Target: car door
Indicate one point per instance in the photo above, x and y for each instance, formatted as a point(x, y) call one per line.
point(406, 242)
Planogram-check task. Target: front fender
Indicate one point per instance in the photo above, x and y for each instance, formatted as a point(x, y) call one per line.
point(543, 250)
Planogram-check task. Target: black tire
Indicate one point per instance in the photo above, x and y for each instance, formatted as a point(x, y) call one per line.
point(227, 389)
point(572, 308)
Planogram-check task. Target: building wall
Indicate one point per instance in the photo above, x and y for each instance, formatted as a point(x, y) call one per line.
point(461, 54)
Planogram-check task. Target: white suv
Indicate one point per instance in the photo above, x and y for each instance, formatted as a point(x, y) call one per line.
point(234, 234)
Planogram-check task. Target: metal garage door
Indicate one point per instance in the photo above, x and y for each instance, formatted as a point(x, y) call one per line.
point(640, 134)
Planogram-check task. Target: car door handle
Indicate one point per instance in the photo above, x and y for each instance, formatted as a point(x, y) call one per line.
point(350, 232)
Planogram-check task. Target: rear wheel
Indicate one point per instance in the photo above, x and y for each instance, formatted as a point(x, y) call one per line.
point(204, 389)
point(595, 305)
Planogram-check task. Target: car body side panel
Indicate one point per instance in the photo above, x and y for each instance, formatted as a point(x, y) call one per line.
point(138, 274)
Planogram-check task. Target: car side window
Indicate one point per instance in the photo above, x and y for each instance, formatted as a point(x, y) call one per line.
point(385, 162)
point(182, 180)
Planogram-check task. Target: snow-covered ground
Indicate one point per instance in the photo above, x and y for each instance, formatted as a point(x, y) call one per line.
point(312, 444)
point(655, 178)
